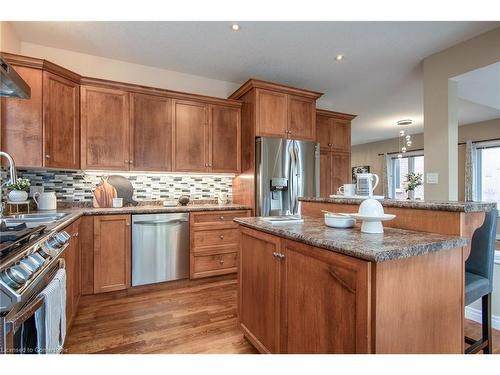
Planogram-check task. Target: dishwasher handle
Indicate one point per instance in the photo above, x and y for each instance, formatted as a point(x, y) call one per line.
point(160, 222)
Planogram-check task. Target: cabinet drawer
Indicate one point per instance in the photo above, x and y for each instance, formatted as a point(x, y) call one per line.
point(218, 237)
point(217, 262)
point(218, 217)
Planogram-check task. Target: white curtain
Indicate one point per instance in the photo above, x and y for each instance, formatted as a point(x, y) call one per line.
point(387, 176)
point(470, 171)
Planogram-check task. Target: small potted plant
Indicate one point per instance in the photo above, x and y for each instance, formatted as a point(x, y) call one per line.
point(413, 180)
point(19, 190)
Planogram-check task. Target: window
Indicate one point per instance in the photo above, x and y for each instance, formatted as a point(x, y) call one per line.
point(400, 167)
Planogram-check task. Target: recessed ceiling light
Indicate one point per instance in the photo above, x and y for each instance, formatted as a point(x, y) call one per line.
point(339, 57)
point(235, 27)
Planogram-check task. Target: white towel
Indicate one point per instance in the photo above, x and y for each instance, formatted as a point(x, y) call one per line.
point(51, 318)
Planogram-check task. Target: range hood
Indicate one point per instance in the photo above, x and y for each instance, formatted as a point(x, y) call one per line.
point(11, 83)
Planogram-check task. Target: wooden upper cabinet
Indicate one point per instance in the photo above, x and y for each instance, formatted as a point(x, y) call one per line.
point(150, 133)
point(341, 135)
point(112, 255)
point(259, 290)
point(301, 118)
point(225, 139)
point(326, 301)
point(22, 122)
point(272, 112)
point(105, 128)
point(61, 103)
point(190, 153)
point(323, 132)
point(325, 178)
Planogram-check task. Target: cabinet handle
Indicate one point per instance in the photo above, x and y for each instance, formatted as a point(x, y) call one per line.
point(275, 254)
point(75, 235)
point(282, 256)
point(127, 224)
point(47, 156)
point(221, 237)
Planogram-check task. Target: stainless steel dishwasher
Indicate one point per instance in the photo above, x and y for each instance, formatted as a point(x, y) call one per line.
point(160, 248)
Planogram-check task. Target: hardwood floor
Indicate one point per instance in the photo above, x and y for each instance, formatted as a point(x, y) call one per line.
point(182, 317)
point(197, 317)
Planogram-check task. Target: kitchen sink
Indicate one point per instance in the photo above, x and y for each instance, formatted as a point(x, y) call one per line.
point(35, 218)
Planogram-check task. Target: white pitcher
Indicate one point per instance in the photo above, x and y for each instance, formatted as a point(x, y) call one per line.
point(364, 184)
point(45, 201)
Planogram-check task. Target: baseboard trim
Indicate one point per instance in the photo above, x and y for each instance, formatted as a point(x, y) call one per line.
point(475, 315)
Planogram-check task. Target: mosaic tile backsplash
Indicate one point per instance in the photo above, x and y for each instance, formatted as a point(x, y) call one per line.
point(78, 186)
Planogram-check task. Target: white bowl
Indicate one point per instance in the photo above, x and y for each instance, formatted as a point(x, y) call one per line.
point(371, 207)
point(339, 221)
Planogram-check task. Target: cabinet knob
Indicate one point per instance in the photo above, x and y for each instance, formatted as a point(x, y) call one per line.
point(206, 164)
point(221, 237)
point(275, 254)
point(131, 162)
point(210, 165)
point(282, 256)
point(221, 261)
point(127, 224)
point(221, 218)
point(47, 156)
point(126, 161)
point(75, 235)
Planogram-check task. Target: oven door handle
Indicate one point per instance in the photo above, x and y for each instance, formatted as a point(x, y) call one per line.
point(17, 320)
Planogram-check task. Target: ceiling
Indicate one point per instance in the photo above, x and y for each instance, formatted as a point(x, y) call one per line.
point(380, 78)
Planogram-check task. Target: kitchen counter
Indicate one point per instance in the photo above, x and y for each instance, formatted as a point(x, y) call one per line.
point(77, 212)
point(392, 244)
point(451, 206)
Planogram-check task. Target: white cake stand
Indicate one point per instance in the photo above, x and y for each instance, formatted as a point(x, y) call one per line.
point(372, 224)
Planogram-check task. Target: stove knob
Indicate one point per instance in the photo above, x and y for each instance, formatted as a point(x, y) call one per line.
point(19, 274)
point(8, 280)
point(30, 264)
point(51, 244)
point(37, 258)
point(62, 237)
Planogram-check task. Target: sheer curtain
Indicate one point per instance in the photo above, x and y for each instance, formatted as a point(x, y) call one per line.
point(470, 171)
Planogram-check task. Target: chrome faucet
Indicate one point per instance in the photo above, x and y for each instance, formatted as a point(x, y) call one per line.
point(12, 180)
point(12, 168)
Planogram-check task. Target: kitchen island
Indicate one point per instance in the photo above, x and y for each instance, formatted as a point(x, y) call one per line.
point(308, 288)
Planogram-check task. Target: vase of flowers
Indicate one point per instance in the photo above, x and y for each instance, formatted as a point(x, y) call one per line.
point(413, 180)
point(19, 190)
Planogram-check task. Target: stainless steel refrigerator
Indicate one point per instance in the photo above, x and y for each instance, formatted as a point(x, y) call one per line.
point(285, 170)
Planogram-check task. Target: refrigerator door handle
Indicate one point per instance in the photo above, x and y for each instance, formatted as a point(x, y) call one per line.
point(293, 178)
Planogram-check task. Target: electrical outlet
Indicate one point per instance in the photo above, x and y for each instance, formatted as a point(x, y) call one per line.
point(432, 178)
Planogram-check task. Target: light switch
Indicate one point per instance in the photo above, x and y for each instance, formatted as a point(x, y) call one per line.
point(432, 178)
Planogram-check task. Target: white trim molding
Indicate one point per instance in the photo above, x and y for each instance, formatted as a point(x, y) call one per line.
point(497, 257)
point(475, 315)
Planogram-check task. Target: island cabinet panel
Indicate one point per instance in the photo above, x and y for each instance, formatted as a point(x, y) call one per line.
point(190, 137)
point(301, 118)
point(259, 290)
point(105, 128)
point(61, 111)
point(22, 122)
point(325, 301)
point(150, 133)
point(86, 238)
point(112, 255)
point(271, 114)
point(225, 139)
point(325, 177)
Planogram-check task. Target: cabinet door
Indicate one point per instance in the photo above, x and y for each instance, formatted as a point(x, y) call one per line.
point(225, 139)
point(301, 118)
point(326, 300)
point(111, 253)
point(341, 135)
point(325, 176)
point(341, 169)
point(150, 133)
point(22, 129)
point(61, 105)
point(323, 131)
point(259, 290)
point(190, 137)
point(271, 111)
point(105, 128)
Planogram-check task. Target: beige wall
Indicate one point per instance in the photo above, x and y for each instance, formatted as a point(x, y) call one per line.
point(440, 106)
point(116, 70)
point(9, 42)
point(367, 154)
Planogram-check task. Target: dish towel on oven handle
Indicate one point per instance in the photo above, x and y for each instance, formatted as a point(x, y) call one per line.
point(51, 318)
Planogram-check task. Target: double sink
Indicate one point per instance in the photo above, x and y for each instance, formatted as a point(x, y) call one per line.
point(35, 219)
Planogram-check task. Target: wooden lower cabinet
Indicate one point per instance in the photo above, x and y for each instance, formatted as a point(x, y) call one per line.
point(112, 253)
point(72, 258)
point(214, 243)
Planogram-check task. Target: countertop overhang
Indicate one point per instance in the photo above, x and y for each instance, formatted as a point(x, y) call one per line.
point(391, 245)
point(451, 206)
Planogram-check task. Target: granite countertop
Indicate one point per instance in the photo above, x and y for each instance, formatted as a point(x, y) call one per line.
point(77, 212)
point(392, 244)
point(452, 206)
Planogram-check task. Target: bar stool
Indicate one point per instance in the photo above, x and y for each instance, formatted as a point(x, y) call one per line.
point(479, 278)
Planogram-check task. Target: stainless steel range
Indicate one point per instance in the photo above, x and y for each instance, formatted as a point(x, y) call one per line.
point(29, 257)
